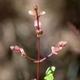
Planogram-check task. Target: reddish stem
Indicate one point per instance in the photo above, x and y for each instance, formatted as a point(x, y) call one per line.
point(38, 64)
point(37, 18)
point(38, 42)
point(31, 59)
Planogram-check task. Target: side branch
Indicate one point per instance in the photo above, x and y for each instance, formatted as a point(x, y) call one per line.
point(21, 51)
point(43, 59)
point(54, 50)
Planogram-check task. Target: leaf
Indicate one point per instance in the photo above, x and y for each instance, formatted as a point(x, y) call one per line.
point(49, 73)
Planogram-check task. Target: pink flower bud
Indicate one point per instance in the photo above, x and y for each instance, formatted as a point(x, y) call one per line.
point(36, 24)
point(16, 48)
point(11, 47)
point(53, 50)
point(59, 47)
point(62, 43)
point(22, 51)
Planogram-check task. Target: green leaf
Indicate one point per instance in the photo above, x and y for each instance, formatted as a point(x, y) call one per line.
point(49, 73)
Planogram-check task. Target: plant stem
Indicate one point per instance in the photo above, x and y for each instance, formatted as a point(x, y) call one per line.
point(38, 44)
point(31, 59)
point(38, 40)
point(38, 64)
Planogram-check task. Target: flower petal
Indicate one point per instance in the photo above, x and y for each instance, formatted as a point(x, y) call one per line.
point(31, 13)
point(42, 13)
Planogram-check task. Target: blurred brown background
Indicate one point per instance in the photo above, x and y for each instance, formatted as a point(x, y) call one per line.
point(61, 22)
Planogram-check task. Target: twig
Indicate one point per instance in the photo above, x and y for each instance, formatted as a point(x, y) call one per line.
point(54, 50)
point(38, 41)
point(21, 51)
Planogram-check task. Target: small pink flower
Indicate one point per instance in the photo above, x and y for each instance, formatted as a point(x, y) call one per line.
point(55, 49)
point(62, 43)
point(36, 24)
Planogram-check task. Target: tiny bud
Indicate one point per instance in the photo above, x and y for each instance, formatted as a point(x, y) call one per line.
point(11, 47)
point(62, 43)
point(17, 48)
point(31, 13)
point(36, 24)
point(22, 51)
point(23, 54)
point(35, 7)
point(39, 32)
point(53, 49)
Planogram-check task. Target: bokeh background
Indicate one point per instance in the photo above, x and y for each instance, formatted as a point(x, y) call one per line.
point(61, 22)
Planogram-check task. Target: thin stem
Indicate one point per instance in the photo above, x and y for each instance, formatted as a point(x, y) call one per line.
point(38, 64)
point(43, 59)
point(31, 59)
point(37, 17)
point(21, 51)
point(38, 43)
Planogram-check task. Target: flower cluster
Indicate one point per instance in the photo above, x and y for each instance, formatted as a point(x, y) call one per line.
point(55, 49)
point(18, 49)
point(37, 23)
